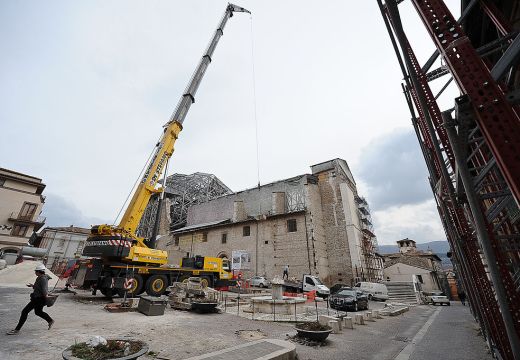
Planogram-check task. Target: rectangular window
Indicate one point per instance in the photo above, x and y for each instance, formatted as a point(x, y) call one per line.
point(246, 231)
point(28, 210)
point(205, 237)
point(19, 230)
point(224, 238)
point(419, 277)
point(2, 182)
point(266, 242)
point(291, 225)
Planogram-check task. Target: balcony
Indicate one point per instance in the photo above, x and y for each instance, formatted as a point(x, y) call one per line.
point(37, 221)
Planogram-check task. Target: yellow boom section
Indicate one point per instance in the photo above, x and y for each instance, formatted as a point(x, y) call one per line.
point(146, 187)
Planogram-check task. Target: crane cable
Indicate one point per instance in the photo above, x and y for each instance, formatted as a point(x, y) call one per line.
point(254, 102)
point(137, 180)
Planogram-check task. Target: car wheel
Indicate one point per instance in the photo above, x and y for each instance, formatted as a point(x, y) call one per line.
point(366, 307)
point(448, 304)
point(261, 285)
point(370, 297)
point(356, 307)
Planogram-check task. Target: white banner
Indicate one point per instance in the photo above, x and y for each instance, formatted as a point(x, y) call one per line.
point(240, 260)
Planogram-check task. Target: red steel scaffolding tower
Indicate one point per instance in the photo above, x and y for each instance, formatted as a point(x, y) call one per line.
point(472, 151)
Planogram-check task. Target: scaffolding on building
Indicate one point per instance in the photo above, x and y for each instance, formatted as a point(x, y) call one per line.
point(471, 150)
point(371, 270)
point(182, 191)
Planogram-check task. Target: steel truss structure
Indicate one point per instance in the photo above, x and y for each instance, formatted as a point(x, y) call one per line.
point(472, 150)
point(182, 191)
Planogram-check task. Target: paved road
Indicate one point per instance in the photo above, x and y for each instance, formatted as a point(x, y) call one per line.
point(451, 332)
point(452, 335)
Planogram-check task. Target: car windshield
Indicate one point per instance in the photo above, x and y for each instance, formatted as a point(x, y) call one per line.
point(347, 292)
point(225, 265)
point(317, 281)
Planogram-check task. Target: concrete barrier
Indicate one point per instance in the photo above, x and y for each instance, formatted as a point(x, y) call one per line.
point(324, 319)
point(393, 311)
point(348, 323)
point(368, 316)
point(358, 319)
point(335, 326)
point(399, 311)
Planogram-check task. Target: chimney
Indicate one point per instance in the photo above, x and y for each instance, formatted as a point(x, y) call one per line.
point(278, 205)
point(239, 211)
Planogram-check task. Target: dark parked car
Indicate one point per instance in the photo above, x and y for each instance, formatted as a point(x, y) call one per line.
point(337, 287)
point(348, 299)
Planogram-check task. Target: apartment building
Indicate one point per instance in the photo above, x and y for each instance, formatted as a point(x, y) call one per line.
point(21, 203)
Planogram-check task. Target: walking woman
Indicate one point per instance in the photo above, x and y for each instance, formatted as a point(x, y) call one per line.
point(37, 302)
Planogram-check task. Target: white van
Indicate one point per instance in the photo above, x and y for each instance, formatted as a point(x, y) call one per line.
point(375, 291)
point(311, 282)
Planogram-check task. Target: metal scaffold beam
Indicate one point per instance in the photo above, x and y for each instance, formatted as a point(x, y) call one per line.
point(182, 191)
point(472, 155)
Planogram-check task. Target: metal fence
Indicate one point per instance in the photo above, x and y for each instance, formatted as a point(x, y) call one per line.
point(296, 309)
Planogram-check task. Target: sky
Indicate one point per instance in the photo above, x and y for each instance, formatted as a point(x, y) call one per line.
point(87, 85)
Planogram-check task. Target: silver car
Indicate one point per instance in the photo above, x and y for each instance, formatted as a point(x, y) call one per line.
point(438, 297)
point(259, 281)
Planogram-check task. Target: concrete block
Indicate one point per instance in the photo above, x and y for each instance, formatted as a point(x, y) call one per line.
point(335, 325)
point(375, 314)
point(324, 319)
point(398, 311)
point(348, 323)
point(358, 319)
point(368, 316)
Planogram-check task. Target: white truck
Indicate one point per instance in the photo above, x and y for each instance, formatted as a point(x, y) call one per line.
point(308, 283)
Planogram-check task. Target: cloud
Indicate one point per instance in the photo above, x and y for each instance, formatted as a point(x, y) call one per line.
point(61, 212)
point(419, 222)
point(393, 170)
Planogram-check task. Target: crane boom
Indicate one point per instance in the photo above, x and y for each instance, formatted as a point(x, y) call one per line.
point(106, 236)
point(146, 188)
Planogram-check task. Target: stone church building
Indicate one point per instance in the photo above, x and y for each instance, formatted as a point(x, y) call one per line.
point(315, 223)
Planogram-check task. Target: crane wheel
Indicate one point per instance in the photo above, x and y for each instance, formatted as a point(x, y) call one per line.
point(184, 279)
point(108, 293)
point(156, 285)
point(137, 285)
point(206, 281)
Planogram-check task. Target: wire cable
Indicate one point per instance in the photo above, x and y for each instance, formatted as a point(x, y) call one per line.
point(254, 102)
point(137, 180)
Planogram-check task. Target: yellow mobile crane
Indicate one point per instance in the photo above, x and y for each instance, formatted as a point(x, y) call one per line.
point(121, 254)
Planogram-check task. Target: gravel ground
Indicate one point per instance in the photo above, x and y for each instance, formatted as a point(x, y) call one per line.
point(180, 335)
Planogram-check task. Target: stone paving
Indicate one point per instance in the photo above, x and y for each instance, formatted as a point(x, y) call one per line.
point(181, 335)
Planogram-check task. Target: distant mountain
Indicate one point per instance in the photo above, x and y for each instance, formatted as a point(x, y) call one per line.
point(440, 248)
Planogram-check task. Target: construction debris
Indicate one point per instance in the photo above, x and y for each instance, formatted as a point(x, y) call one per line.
point(192, 295)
